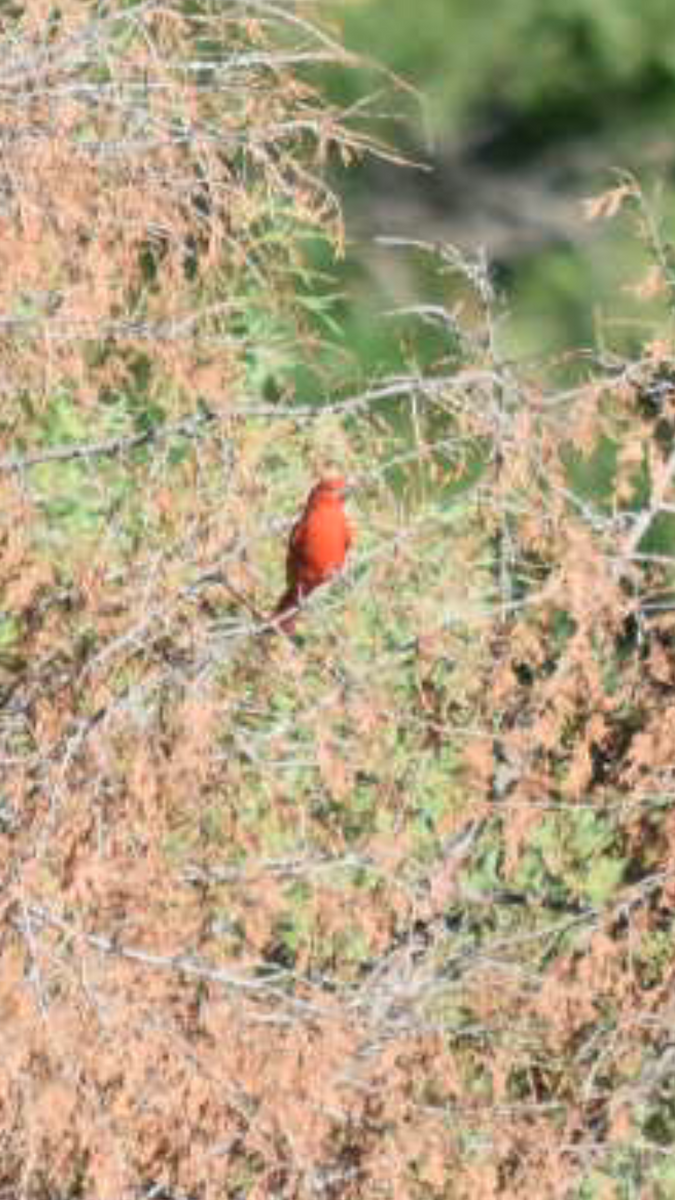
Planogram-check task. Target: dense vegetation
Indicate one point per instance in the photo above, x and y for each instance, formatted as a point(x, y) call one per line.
point(385, 910)
point(584, 56)
point(518, 118)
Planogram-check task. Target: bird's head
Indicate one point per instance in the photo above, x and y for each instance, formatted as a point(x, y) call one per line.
point(332, 489)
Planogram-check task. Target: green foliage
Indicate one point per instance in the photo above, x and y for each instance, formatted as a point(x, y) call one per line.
point(581, 56)
point(596, 87)
point(396, 889)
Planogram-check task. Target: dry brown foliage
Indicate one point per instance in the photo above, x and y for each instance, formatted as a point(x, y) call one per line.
point(386, 913)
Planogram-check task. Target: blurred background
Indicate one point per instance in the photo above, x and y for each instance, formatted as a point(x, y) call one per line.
point(509, 119)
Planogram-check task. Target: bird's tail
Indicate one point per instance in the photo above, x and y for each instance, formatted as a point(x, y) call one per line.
point(285, 614)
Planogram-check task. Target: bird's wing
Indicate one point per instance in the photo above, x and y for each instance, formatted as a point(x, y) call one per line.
point(295, 555)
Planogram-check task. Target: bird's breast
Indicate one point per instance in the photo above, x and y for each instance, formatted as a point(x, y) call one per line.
point(322, 544)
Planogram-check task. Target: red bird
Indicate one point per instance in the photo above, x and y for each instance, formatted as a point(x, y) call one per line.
point(317, 548)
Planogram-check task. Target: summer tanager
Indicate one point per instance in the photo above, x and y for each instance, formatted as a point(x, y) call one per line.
point(317, 548)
